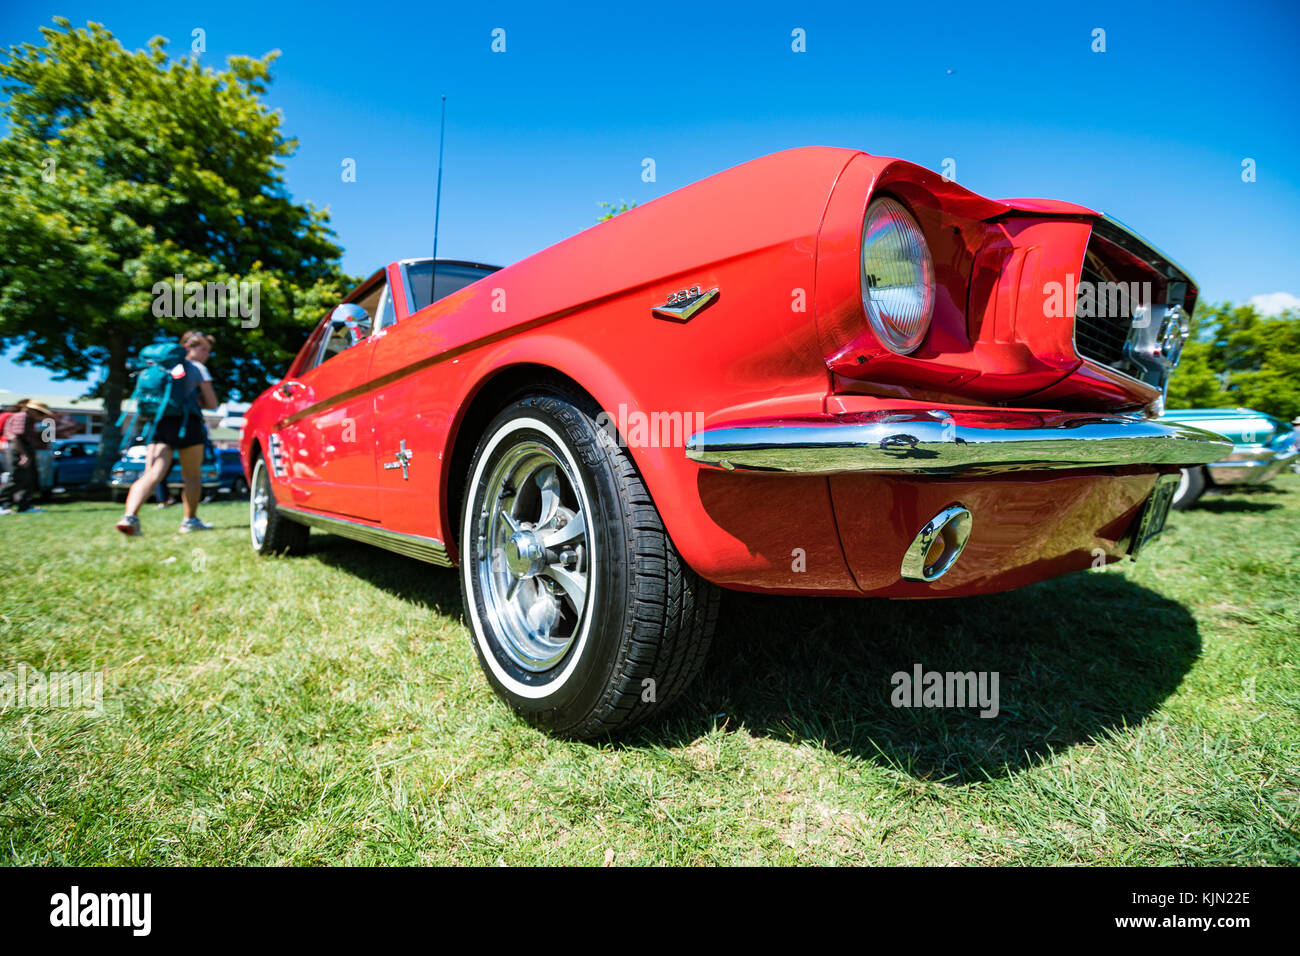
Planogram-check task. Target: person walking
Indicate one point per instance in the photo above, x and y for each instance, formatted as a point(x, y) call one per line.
point(4, 442)
point(25, 434)
point(175, 403)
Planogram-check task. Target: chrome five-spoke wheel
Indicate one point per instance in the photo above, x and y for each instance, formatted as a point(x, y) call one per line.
point(584, 617)
point(534, 555)
point(259, 504)
point(271, 531)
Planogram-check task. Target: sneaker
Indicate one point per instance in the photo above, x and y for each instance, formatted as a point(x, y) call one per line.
point(194, 524)
point(129, 525)
point(7, 511)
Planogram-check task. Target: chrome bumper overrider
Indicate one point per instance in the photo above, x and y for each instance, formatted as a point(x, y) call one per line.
point(933, 442)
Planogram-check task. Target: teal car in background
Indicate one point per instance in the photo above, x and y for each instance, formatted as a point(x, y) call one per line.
point(131, 464)
point(1264, 446)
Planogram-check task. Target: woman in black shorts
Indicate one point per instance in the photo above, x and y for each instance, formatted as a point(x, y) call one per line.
point(185, 435)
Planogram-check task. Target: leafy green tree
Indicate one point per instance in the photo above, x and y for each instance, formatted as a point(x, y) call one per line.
point(1238, 357)
point(122, 169)
point(613, 209)
point(1194, 383)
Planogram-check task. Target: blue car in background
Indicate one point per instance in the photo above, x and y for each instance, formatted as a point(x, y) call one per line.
point(222, 472)
point(231, 474)
point(1262, 447)
point(72, 464)
point(68, 465)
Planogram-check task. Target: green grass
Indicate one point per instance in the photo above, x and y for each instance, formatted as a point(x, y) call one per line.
point(329, 709)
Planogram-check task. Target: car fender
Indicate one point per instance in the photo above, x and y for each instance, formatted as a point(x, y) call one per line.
point(707, 514)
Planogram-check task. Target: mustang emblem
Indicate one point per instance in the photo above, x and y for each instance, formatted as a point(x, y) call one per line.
point(404, 456)
point(684, 305)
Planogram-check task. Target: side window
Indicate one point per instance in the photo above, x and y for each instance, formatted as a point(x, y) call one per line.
point(372, 309)
point(343, 335)
point(339, 339)
point(311, 351)
point(342, 331)
point(370, 299)
point(386, 315)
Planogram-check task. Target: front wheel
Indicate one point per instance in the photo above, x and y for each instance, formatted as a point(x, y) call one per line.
point(1191, 485)
point(272, 532)
point(584, 617)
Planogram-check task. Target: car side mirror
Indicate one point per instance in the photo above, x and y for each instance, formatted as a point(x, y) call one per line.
point(352, 317)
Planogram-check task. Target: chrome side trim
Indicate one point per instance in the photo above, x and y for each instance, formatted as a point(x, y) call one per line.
point(277, 455)
point(930, 442)
point(413, 546)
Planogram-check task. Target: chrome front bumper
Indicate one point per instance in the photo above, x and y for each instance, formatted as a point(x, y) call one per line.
point(1250, 466)
point(935, 441)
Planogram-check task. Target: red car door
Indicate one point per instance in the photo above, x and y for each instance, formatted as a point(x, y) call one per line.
point(289, 400)
point(413, 412)
point(328, 439)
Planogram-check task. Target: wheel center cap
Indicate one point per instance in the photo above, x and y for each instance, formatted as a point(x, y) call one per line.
point(525, 555)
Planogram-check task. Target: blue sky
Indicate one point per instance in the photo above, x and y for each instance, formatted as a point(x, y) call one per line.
point(1154, 130)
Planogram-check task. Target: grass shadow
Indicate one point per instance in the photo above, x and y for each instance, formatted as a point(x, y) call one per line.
point(1076, 658)
point(416, 582)
point(1222, 504)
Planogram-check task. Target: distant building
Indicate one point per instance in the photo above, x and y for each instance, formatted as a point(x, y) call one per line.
point(225, 422)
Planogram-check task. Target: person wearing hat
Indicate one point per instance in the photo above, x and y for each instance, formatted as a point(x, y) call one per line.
point(26, 433)
point(53, 426)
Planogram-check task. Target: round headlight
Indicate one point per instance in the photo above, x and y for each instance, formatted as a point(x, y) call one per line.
point(897, 276)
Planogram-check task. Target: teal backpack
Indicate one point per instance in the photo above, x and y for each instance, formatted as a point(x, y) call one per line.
point(157, 394)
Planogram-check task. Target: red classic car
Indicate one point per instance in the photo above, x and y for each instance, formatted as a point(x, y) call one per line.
point(819, 372)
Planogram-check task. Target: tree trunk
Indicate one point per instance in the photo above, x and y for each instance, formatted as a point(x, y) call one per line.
point(114, 393)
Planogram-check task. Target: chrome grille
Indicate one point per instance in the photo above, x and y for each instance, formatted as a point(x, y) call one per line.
point(1140, 301)
point(1103, 338)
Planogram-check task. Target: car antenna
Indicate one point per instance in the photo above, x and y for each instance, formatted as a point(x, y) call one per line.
point(437, 205)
